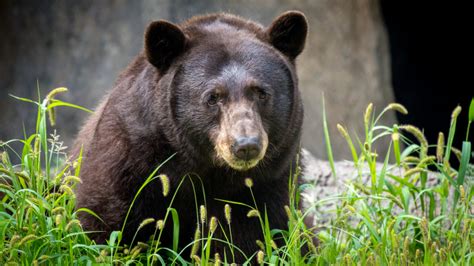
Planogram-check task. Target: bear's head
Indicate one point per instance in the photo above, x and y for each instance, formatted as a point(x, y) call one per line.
point(231, 84)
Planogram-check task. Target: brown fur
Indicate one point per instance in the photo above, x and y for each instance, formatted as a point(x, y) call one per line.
point(163, 105)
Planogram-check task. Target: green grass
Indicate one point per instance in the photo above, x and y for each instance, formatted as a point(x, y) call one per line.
point(396, 216)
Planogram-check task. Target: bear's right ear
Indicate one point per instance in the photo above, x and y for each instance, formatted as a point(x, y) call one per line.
point(287, 33)
point(164, 41)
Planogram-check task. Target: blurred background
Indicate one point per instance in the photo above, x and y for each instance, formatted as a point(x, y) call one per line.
point(357, 52)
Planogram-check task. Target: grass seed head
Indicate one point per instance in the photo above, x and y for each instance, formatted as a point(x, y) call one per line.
point(433, 247)
point(456, 112)
point(37, 146)
point(142, 245)
point(462, 193)
point(395, 136)
point(5, 186)
point(442, 254)
point(274, 245)
point(397, 107)
point(260, 257)
point(54, 92)
point(203, 214)
point(368, 114)
point(288, 211)
point(196, 244)
point(27, 238)
point(412, 172)
point(14, 240)
point(227, 213)
point(217, 259)
point(72, 179)
point(58, 210)
point(260, 244)
point(457, 153)
point(393, 260)
point(343, 131)
point(394, 238)
point(351, 209)
point(145, 222)
point(58, 219)
point(450, 246)
point(165, 183)
point(67, 189)
point(160, 224)
point(411, 159)
point(424, 229)
point(440, 147)
point(418, 135)
point(253, 213)
point(52, 116)
point(417, 254)
point(466, 226)
point(348, 259)
point(213, 224)
point(370, 259)
point(5, 159)
point(426, 161)
point(72, 223)
point(135, 252)
point(249, 182)
point(406, 247)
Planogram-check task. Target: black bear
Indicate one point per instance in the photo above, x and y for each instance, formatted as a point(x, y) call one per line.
point(219, 95)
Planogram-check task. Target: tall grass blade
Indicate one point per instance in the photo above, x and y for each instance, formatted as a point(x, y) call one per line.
point(175, 217)
point(452, 130)
point(328, 140)
point(465, 156)
point(470, 118)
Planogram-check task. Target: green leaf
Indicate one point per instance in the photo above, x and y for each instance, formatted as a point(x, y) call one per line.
point(56, 103)
point(90, 212)
point(471, 110)
point(465, 155)
point(328, 140)
point(23, 99)
point(381, 177)
point(112, 239)
point(174, 215)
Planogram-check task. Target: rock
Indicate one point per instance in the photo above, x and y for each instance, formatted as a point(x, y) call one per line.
point(327, 192)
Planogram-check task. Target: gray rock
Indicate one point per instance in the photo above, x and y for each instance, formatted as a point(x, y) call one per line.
point(327, 192)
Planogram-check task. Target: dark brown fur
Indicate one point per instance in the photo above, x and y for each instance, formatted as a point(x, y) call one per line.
point(155, 111)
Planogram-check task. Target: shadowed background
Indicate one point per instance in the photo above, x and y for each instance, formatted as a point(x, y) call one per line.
point(83, 45)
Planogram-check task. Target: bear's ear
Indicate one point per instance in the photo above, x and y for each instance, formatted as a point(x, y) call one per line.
point(287, 33)
point(164, 41)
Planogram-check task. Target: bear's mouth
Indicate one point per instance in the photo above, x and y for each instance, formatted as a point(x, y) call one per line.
point(241, 165)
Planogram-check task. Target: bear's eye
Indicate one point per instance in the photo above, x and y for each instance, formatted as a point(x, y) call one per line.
point(213, 99)
point(262, 95)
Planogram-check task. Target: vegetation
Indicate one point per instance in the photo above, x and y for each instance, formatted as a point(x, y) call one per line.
point(396, 218)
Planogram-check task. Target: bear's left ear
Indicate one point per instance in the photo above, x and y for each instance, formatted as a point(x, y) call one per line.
point(164, 41)
point(287, 33)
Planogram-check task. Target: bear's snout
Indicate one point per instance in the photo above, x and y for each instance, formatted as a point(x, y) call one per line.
point(242, 141)
point(247, 148)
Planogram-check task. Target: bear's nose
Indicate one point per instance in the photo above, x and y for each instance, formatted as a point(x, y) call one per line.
point(246, 148)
